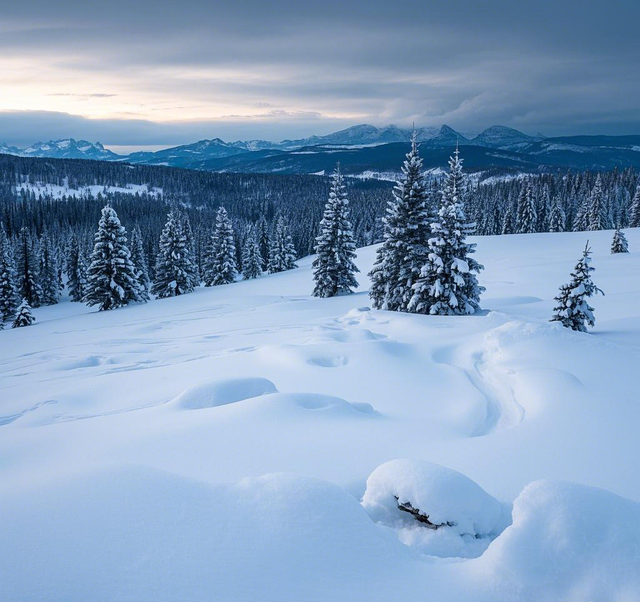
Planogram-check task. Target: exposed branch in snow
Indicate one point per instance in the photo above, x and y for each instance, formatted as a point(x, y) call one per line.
point(421, 518)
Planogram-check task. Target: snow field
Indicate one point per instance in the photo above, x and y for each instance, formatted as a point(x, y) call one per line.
point(217, 445)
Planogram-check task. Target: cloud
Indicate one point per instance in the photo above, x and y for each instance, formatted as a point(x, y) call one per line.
point(254, 69)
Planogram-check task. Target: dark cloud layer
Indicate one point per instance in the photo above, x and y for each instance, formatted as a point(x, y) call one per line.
point(171, 72)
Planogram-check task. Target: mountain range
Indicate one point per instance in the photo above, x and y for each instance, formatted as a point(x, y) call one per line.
point(367, 150)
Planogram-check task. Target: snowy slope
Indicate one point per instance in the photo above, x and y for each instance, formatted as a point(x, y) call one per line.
point(217, 445)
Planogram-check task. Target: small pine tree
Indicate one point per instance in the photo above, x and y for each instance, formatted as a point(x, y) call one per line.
point(619, 243)
point(282, 253)
point(194, 272)
point(24, 317)
point(8, 290)
point(262, 237)
point(448, 284)
point(333, 267)
point(634, 212)
point(508, 221)
point(48, 271)
point(27, 270)
point(111, 279)
point(251, 257)
point(573, 310)
point(598, 218)
point(527, 214)
point(139, 261)
point(220, 263)
point(406, 231)
point(75, 279)
point(173, 270)
point(557, 217)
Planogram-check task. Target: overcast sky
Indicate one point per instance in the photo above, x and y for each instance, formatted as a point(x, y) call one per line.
point(137, 73)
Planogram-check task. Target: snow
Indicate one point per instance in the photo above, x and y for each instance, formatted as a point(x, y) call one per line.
point(57, 191)
point(217, 445)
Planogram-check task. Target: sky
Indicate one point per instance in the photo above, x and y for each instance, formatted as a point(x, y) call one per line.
point(151, 74)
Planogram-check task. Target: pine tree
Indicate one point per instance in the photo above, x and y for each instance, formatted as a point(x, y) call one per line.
point(406, 231)
point(619, 243)
point(111, 279)
point(527, 214)
point(334, 267)
point(24, 317)
point(557, 216)
point(634, 211)
point(75, 279)
point(27, 270)
point(282, 253)
point(173, 270)
point(48, 271)
point(573, 310)
point(598, 214)
point(509, 222)
point(251, 257)
point(139, 261)
point(448, 284)
point(8, 290)
point(194, 272)
point(220, 263)
point(264, 243)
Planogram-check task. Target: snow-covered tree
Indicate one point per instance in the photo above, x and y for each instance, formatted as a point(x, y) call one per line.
point(262, 236)
point(173, 269)
point(251, 257)
point(598, 218)
point(282, 253)
point(509, 220)
point(573, 310)
point(220, 261)
point(619, 243)
point(557, 216)
point(448, 284)
point(27, 270)
point(333, 267)
point(76, 279)
point(24, 317)
point(111, 279)
point(406, 233)
point(48, 272)
point(527, 221)
point(634, 212)
point(139, 261)
point(8, 290)
point(194, 272)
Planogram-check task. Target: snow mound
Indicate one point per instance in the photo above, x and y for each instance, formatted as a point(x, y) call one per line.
point(435, 509)
point(569, 542)
point(222, 392)
point(290, 403)
point(133, 533)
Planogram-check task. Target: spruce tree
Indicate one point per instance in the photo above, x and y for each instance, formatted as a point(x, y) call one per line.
point(448, 284)
point(557, 216)
point(194, 272)
point(111, 279)
point(334, 267)
point(572, 309)
point(251, 257)
point(282, 253)
point(27, 270)
point(634, 211)
point(173, 269)
point(406, 231)
point(48, 272)
point(527, 214)
point(509, 222)
point(8, 290)
point(75, 279)
point(24, 317)
point(139, 261)
point(598, 214)
point(264, 243)
point(619, 243)
point(220, 262)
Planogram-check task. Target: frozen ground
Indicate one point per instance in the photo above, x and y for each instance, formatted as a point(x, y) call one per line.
point(238, 443)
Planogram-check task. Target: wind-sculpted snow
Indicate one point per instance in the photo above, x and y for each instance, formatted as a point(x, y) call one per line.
point(257, 377)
